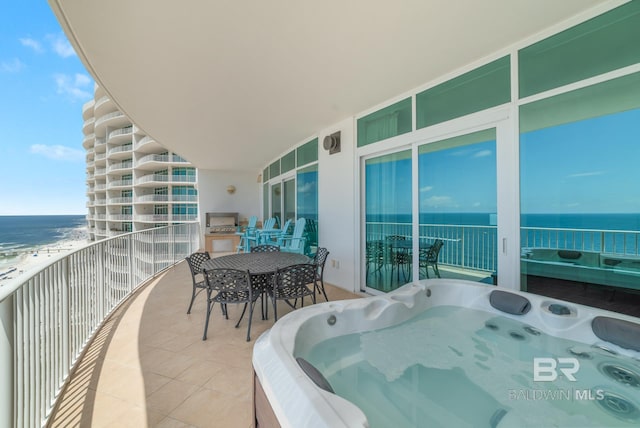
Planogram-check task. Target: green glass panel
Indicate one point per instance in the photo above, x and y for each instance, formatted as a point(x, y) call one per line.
point(274, 169)
point(602, 44)
point(288, 161)
point(479, 89)
point(265, 175)
point(609, 97)
point(385, 123)
point(289, 201)
point(308, 152)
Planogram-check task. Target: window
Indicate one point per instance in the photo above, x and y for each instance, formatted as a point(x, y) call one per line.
point(385, 123)
point(579, 156)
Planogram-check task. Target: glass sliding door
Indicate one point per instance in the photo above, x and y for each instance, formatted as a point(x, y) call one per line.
point(457, 194)
point(388, 220)
point(288, 201)
point(276, 200)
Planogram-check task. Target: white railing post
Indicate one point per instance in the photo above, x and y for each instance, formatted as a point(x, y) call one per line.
point(6, 362)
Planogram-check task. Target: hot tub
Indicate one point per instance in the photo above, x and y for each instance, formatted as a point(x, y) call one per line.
point(449, 353)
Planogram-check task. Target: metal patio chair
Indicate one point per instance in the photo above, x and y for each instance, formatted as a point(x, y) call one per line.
point(226, 286)
point(319, 260)
point(429, 257)
point(292, 283)
point(195, 261)
point(265, 248)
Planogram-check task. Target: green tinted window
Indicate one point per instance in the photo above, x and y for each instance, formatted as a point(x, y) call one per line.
point(274, 169)
point(288, 161)
point(265, 175)
point(308, 152)
point(605, 98)
point(385, 123)
point(479, 89)
point(604, 43)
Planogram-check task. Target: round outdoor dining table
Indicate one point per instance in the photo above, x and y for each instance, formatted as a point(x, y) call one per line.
point(261, 267)
point(256, 263)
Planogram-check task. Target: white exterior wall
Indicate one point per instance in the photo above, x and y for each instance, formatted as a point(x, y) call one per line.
point(337, 193)
point(213, 195)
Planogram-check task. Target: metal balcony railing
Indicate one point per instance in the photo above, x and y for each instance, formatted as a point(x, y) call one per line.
point(50, 317)
point(475, 247)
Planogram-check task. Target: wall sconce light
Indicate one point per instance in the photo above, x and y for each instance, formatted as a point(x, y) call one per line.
point(231, 189)
point(331, 143)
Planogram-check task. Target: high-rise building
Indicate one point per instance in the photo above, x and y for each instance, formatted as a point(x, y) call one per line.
point(133, 182)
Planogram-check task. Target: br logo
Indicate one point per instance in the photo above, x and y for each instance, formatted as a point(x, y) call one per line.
point(546, 369)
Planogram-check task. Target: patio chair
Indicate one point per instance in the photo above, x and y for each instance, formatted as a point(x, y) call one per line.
point(294, 243)
point(247, 235)
point(374, 255)
point(195, 261)
point(226, 286)
point(274, 235)
point(399, 258)
point(319, 260)
point(429, 257)
point(291, 283)
point(268, 229)
point(265, 248)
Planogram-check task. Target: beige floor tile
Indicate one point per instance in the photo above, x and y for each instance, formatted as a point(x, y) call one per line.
point(148, 365)
point(169, 396)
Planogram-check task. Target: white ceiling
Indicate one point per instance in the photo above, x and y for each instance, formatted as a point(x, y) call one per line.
point(231, 84)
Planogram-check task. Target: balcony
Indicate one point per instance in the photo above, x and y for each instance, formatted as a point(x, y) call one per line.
point(150, 366)
point(120, 135)
point(120, 183)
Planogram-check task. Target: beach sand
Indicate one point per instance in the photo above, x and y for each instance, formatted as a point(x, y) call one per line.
point(31, 262)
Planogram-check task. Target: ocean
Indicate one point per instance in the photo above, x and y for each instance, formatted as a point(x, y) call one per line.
point(471, 238)
point(21, 234)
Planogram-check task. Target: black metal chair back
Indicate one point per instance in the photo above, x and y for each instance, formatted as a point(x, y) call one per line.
point(320, 260)
point(229, 286)
point(195, 261)
point(291, 283)
point(265, 248)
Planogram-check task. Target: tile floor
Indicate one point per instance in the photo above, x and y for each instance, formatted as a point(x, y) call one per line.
point(148, 365)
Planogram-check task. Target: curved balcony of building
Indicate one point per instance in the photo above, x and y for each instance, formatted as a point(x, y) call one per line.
point(101, 159)
point(126, 183)
point(103, 106)
point(88, 125)
point(153, 218)
point(100, 171)
point(120, 166)
point(147, 145)
point(184, 217)
point(120, 152)
point(153, 162)
point(152, 179)
point(121, 200)
point(100, 232)
point(89, 141)
point(114, 119)
point(120, 217)
point(100, 187)
point(100, 145)
point(99, 217)
point(87, 109)
point(147, 199)
point(120, 135)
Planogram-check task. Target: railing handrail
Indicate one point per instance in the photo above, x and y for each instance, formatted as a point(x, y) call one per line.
point(51, 314)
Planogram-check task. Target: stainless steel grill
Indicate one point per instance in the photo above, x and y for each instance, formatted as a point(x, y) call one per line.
point(222, 222)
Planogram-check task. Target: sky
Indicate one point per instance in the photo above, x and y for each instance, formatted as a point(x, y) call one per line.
point(43, 86)
point(583, 167)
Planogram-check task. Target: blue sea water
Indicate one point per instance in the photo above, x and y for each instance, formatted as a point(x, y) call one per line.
point(25, 233)
point(629, 222)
